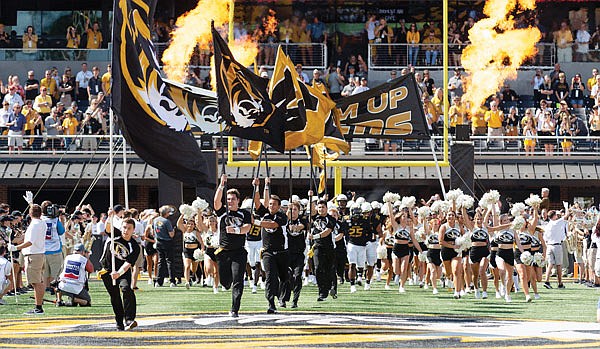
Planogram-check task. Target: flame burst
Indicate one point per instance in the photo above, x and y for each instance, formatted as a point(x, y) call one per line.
point(497, 49)
point(270, 23)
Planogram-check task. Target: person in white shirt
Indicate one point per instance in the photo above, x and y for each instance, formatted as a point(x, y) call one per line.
point(33, 249)
point(5, 272)
point(555, 232)
point(362, 87)
point(74, 276)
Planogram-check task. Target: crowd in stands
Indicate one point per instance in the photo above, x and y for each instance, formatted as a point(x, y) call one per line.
point(455, 243)
point(67, 105)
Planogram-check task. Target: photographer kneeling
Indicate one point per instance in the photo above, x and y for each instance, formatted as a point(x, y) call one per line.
point(74, 276)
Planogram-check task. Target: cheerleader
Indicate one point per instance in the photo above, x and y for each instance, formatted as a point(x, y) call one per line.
point(150, 250)
point(538, 245)
point(434, 260)
point(403, 233)
point(466, 262)
point(452, 260)
point(494, 266)
point(421, 266)
point(505, 258)
point(387, 240)
point(210, 237)
point(191, 242)
point(480, 250)
point(526, 241)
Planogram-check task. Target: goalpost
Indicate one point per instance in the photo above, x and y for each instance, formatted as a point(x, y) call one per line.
point(337, 165)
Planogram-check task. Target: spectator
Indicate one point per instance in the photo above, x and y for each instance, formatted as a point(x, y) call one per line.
point(429, 82)
point(13, 98)
point(565, 130)
point(438, 100)
point(592, 80)
point(192, 79)
point(73, 278)
point(541, 45)
point(351, 72)
point(91, 127)
point(594, 120)
point(537, 82)
point(362, 88)
point(348, 89)
point(547, 90)
point(579, 127)
point(547, 128)
point(94, 84)
point(363, 69)
point(512, 123)
point(336, 83)
point(94, 36)
point(16, 128)
point(508, 94)
point(384, 34)
point(318, 31)
point(303, 37)
point(530, 133)
point(43, 102)
point(30, 40)
point(73, 38)
point(66, 90)
point(50, 84)
point(455, 84)
point(82, 80)
point(420, 84)
point(352, 63)
point(69, 127)
point(4, 116)
point(554, 73)
point(34, 125)
point(107, 85)
point(413, 38)
point(563, 38)
point(494, 118)
point(302, 74)
point(370, 27)
point(14, 81)
point(582, 43)
point(432, 47)
point(53, 129)
point(561, 88)
point(164, 233)
point(392, 75)
point(577, 91)
point(4, 37)
point(318, 83)
point(457, 114)
point(32, 86)
point(400, 38)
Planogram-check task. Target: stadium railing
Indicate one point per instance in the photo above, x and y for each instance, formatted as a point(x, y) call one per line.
point(54, 54)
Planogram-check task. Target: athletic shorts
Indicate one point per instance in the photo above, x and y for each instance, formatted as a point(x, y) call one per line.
point(210, 252)
point(554, 254)
point(53, 265)
point(493, 259)
point(423, 248)
point(34, 267)
point(253, 248)
point(448, 254)
point(400, 251)
point(478, 253)
point(389, 253)
point(434, 256)
point(371, 253)
point(578, 257)
point(357, 255)
point(507, 255)
point(189, 253)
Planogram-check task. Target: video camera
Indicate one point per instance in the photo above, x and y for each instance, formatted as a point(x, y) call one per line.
point(51, 211)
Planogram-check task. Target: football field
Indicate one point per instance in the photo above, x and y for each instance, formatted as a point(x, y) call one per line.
point(176, 317)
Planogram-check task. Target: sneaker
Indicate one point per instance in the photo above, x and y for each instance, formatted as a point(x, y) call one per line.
point(378, 276)
point(305, 282)
point(477, 294)
point(120, 327)
point(320, 299)
point(254, 289)
point(2, 301)
point(187, 285)
point(528, 299)
point(410, 282)
point(577, 282)
point(359, 281)
point(130, 325)
point(421, 284)
point(456, 295)
point(401, 290)
point(498, 295)
point(462, 293)
point(352, 288)
point(215, 290)
point(58, 304)
point(536, 296)
point(34, 311)
point(502, 291)
point(233, 314)
point(426, 286)
point(282, 304)
point(561, 286)
point(367, 287)
point(484, 295)
point(507, 299)
point(387, 287)
point(262, 285)
point(173, 285)
point(333, 293)
point(435, 291)
point(294, 305)
point(547, 285)
point(271, 310)
point(150, 282)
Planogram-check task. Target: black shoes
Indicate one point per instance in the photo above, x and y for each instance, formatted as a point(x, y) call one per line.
point(130, 325)
point(333, 293)
point(547, 285)
point(282, 304)
point(561, 286)
point(120, 327)
point(271, 310)
point(233, 314)
point(294, 305)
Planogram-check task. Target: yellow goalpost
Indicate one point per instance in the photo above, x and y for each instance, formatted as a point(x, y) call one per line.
point(337, 165)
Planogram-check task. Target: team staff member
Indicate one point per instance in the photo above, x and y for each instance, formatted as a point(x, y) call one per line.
point(126, 251)
point(74, 276)
point(323, 259)
point(164, 233)
point(234, 224)
point(33, 249)
point(296, 237)
point(275, 258)
point(53, 243)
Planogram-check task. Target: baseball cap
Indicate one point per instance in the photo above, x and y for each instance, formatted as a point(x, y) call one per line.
point(16, 213)
point(285, 203)
point(118, 208)
point(69, 111)
point(79, 248)
point(6, 219)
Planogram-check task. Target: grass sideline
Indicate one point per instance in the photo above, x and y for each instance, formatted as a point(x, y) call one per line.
point(575, 303)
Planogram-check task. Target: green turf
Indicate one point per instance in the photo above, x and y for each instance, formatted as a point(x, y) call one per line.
point(576, 303)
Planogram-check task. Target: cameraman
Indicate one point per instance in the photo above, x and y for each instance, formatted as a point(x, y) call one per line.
point(73, 278)
point(54, 230)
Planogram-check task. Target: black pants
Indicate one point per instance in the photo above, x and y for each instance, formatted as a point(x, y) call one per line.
point(276, 271)
point(232, 265)
point(166, 256)
point(296, 267)
point(341, 259)
point(124, 309)
point(324, 259)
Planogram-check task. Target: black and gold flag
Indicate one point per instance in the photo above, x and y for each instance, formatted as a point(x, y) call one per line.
point(154, 125)
point(243, 100)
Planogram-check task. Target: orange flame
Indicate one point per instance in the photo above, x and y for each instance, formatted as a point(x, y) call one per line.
point(497, 50)
point(244, 50)
point(270, 23)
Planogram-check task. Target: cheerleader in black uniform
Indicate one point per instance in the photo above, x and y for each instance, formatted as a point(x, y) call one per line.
point(526, 240)
point(480, 250)
point(434, 260)
point(421, 267)
point(191, 242)
point(210, 237)
point(537, 246)
point(403, 233)
point(150, 251)
point(388, 241)
point(494, 266)
point(452, 260)
point(505, 258)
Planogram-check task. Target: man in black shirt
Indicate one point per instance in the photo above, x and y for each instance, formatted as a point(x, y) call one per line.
point(341, 254)
point(234, 224)
point(126, 252)
point(32, 86)
point(296, 237)
point(274, 253)
point(322, 226)
point(164, 233)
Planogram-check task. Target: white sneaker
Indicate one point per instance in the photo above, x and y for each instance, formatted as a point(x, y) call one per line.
point(223, 288)
point(484, 295)
point(477, 294)
point(426, 286)
point(449, 283)
point(262, 285)
point(173, 285)
point(378, 275)
point(528, 299)
point(397, 279)
point(456, 295)
point(150, 282)
point(210, 281)
point(435, 291)
point(254, 289)
point(401, 289)
point(359, 280)
point(462, 293)
point(352, 288)
point(498, 295)
point(215, 290)
point(305, 282)
point(367, 287)
point(187, 285)
point(502, 292)
point(507, 298)
point(387, 287)
point(410, 282)
point(536, 296)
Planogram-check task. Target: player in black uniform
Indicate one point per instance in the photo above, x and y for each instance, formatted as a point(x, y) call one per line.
point(358, 235)
point(321, 228)
point(126, 251)
point(275, 258)
point(234, 224)
point(341, 255)
point(296, 234)
point(374, 234)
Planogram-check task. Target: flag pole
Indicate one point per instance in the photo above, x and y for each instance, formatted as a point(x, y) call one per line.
point(111, 191)
point(437, 166)
point(223, 162)
point(290, 174)
point(266, 161)
point(310, 185)
point(257, 175)
point(325, 171)
point(125, 174)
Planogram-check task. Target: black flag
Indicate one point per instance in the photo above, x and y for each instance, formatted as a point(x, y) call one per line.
point(390, 110)
point(151, 121)
point(243, 99)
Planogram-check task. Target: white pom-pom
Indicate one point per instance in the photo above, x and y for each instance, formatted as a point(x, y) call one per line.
point(408, 201)
point(397, 204)
point(484, 202)
point(391, 197)
point(187, 211)
point(446, 206)
point(384, 210)
point(198, 254)
point(420, 234)
point(459, 241)
point(494, 196)
point(381, 252)
point(424, 211)
point(518, 222)
point(538, 259)
point(533, 201)
point(436, 206)
point(518, 209)
point(200, 204)
point(465, 201)
point(360, 200)
point(526, 258)
point(454, 194)
point(422, 257)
